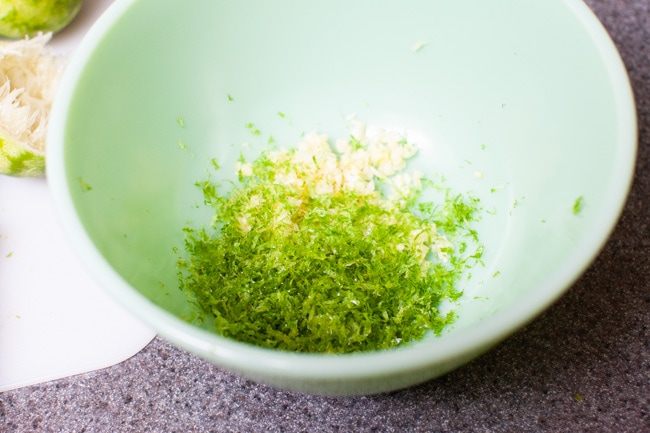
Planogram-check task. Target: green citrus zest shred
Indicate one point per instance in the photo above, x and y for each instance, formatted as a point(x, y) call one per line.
point(578, 205)
point(251, 127)
point(84, 185)
point(289, 268)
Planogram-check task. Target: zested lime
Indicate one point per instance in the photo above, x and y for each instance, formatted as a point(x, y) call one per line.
point(20, 18)
point(29, 77)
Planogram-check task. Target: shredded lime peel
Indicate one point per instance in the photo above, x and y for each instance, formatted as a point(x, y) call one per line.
point(578, 205)
point(329, 249)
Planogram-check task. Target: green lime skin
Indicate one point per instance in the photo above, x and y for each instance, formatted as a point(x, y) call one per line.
point(19, 161)
point(20, 18)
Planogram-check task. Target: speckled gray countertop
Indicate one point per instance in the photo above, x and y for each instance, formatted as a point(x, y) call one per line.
point(584, 365)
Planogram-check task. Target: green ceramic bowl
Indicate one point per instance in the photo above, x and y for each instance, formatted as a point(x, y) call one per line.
point(524, 103)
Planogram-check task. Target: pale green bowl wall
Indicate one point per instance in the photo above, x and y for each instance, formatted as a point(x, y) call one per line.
point(514, 89)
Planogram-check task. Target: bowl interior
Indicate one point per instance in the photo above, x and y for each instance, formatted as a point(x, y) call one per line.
point(516, 91)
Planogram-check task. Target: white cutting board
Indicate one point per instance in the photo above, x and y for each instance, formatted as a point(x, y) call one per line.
point(55, 321)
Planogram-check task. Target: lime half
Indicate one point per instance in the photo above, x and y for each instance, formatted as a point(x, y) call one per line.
point(29, 77)
point(20, 18)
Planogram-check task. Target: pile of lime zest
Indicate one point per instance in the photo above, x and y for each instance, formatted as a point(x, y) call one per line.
point(329, 251)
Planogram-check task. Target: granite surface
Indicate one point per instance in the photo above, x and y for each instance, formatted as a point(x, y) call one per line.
point(584, 365)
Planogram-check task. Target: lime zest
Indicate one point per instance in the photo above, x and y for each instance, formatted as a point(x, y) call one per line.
point(578, 205)
point(317, 250)
point(251, 127)
point(85, 186)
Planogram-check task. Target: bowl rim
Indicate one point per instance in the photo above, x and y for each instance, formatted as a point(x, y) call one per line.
point(323, 367)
